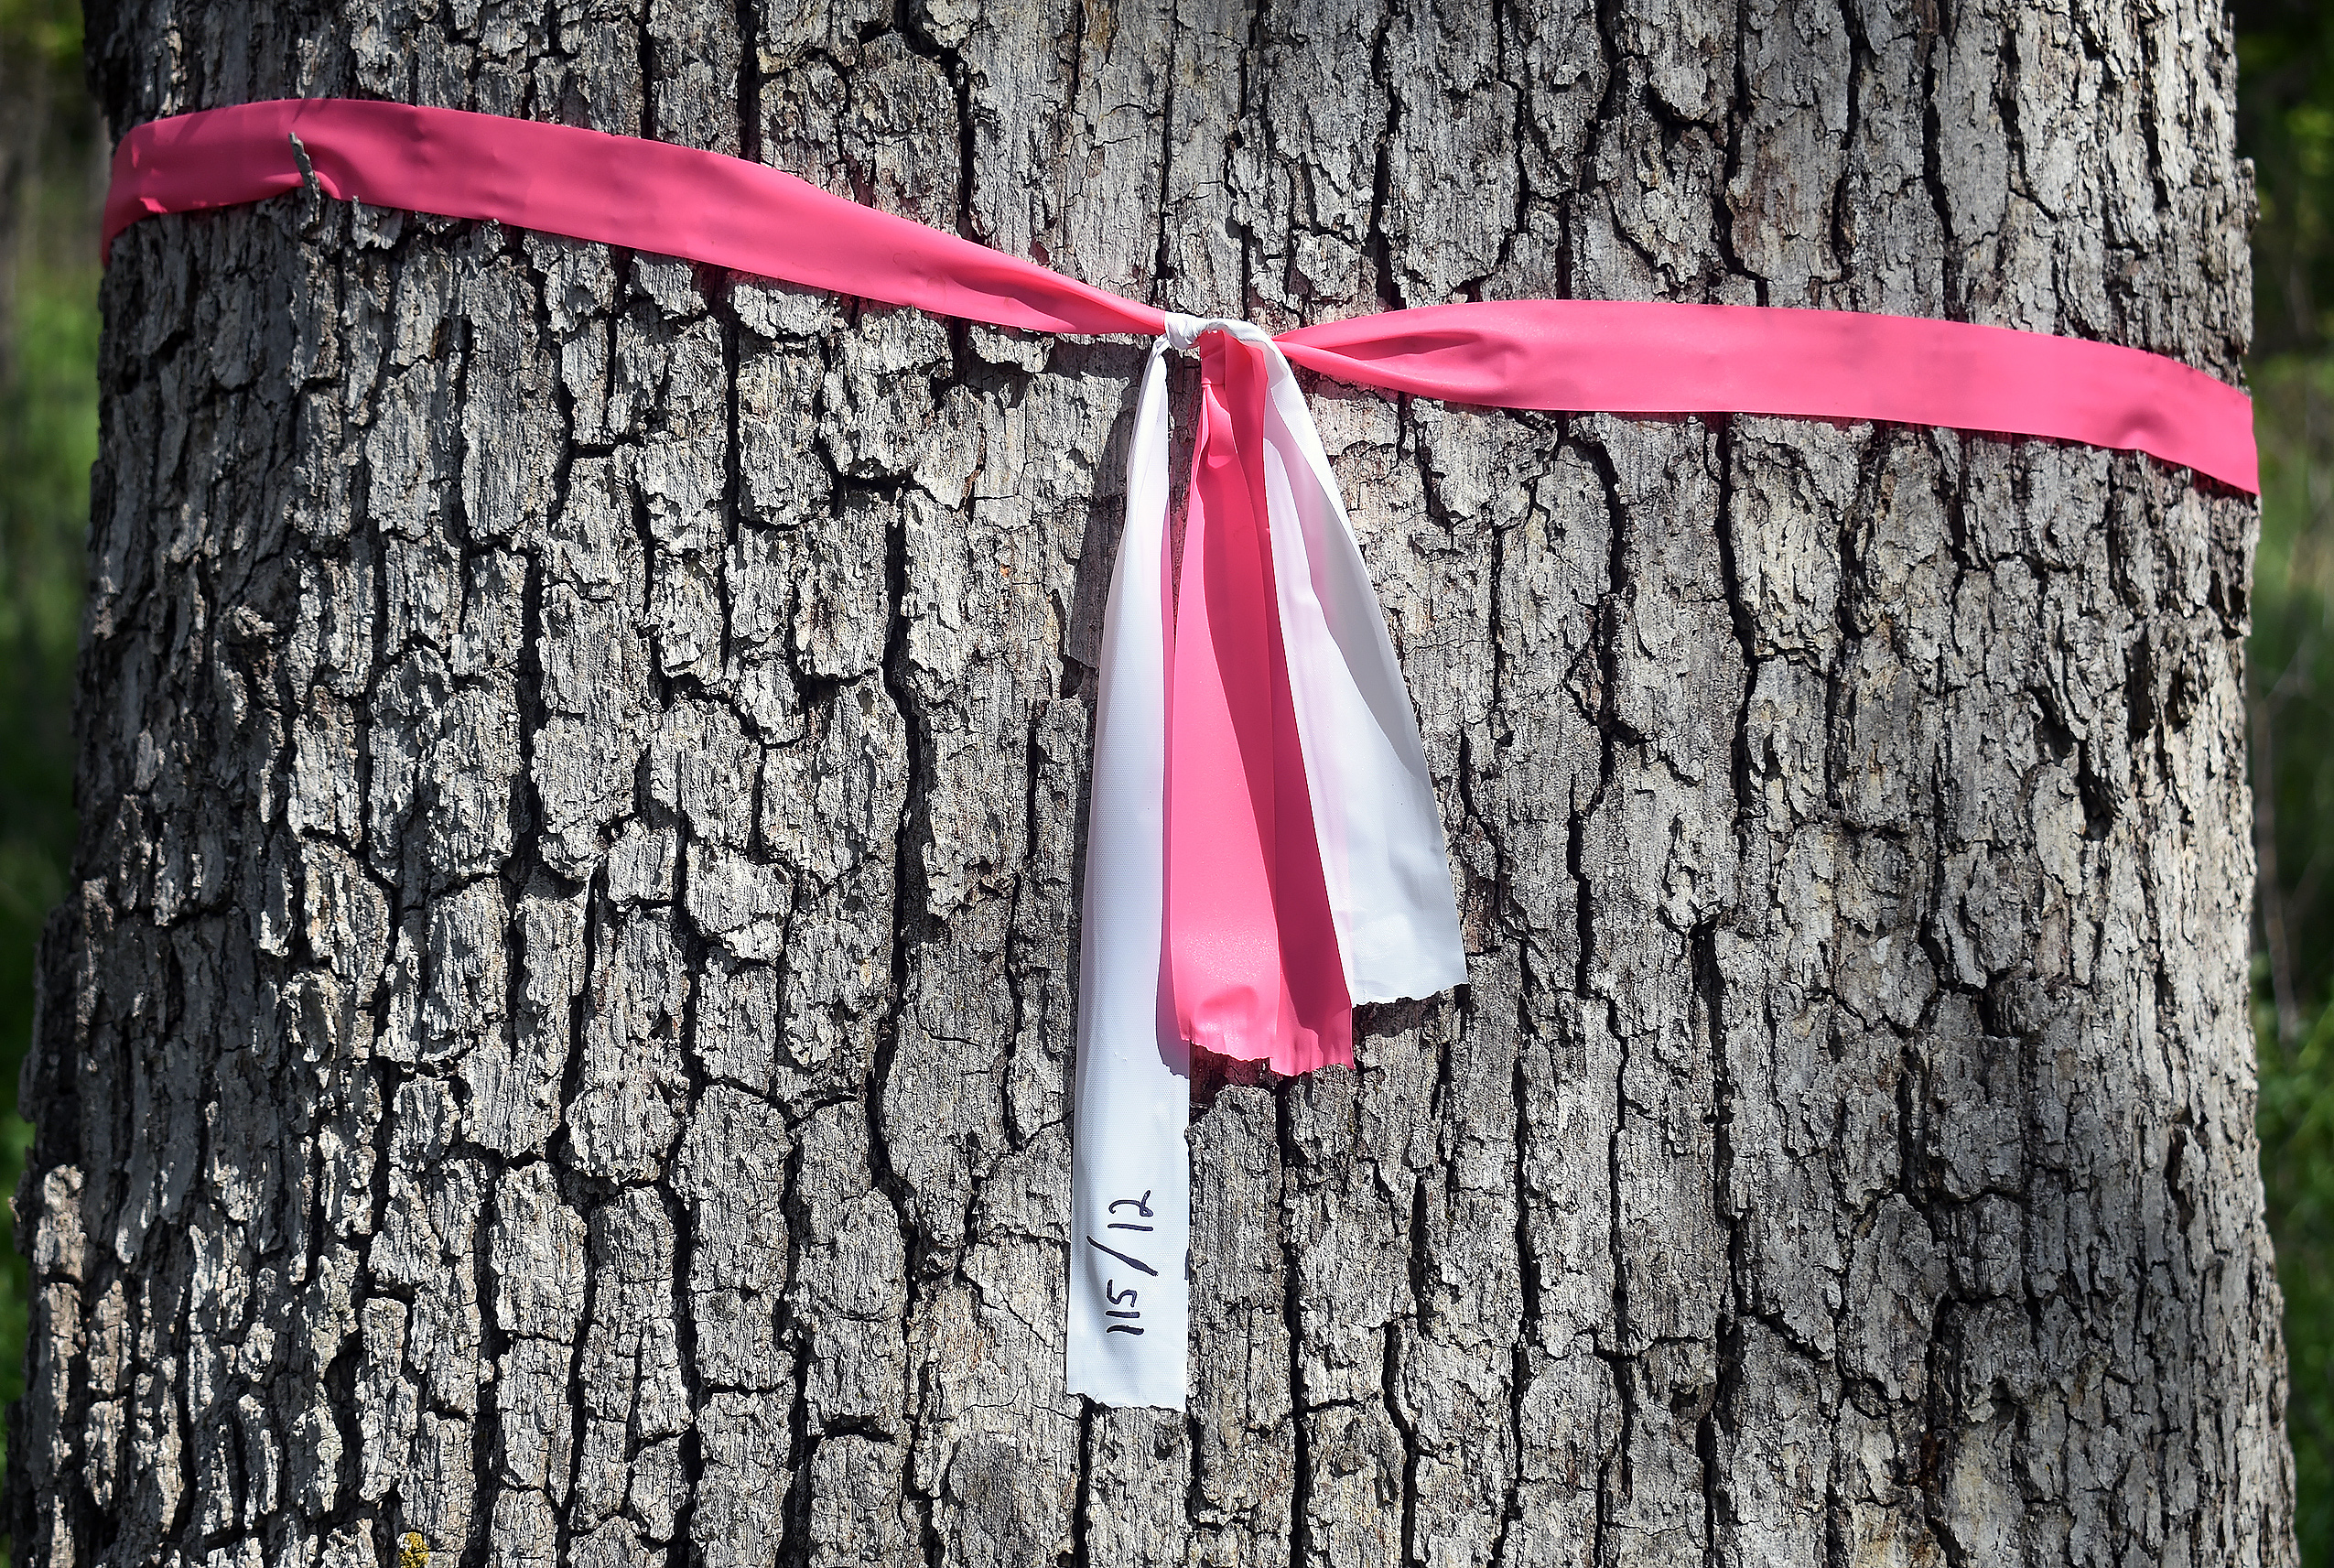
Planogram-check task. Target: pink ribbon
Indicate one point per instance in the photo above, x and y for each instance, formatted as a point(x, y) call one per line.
point(1264, 845)
point(1570, 354)
point(1253, 955)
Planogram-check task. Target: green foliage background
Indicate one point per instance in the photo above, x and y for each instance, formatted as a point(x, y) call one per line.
point(2285, 121)
point(51, 178)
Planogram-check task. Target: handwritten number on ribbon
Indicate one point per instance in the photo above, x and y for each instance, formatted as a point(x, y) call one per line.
point(1124, 1300)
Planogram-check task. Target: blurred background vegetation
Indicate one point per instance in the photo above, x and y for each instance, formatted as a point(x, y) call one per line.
point(2285, 121)
point(52, 148)
point(52, 168)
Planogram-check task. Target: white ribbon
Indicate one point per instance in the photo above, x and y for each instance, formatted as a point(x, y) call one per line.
point(1128, 1302)
point(1382, 857)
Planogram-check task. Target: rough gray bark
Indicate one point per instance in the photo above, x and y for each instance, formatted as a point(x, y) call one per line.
point(560, 1051)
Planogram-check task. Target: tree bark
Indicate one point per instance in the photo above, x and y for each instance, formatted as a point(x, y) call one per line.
point(560, 1051)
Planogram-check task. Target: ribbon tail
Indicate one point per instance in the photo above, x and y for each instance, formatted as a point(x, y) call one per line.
point(1252, 948)
point(1383, 854)
point(1131, 1183)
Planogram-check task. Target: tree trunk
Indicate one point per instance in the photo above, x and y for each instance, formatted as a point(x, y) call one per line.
point(560, 1051)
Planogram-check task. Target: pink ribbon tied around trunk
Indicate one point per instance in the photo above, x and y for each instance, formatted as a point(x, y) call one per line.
point(1264, 849)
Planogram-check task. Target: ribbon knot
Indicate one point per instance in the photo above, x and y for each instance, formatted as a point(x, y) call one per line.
point(1182, 332)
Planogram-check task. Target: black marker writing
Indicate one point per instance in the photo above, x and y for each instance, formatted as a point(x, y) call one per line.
point(1130, 1262)
point(1125, 1300)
